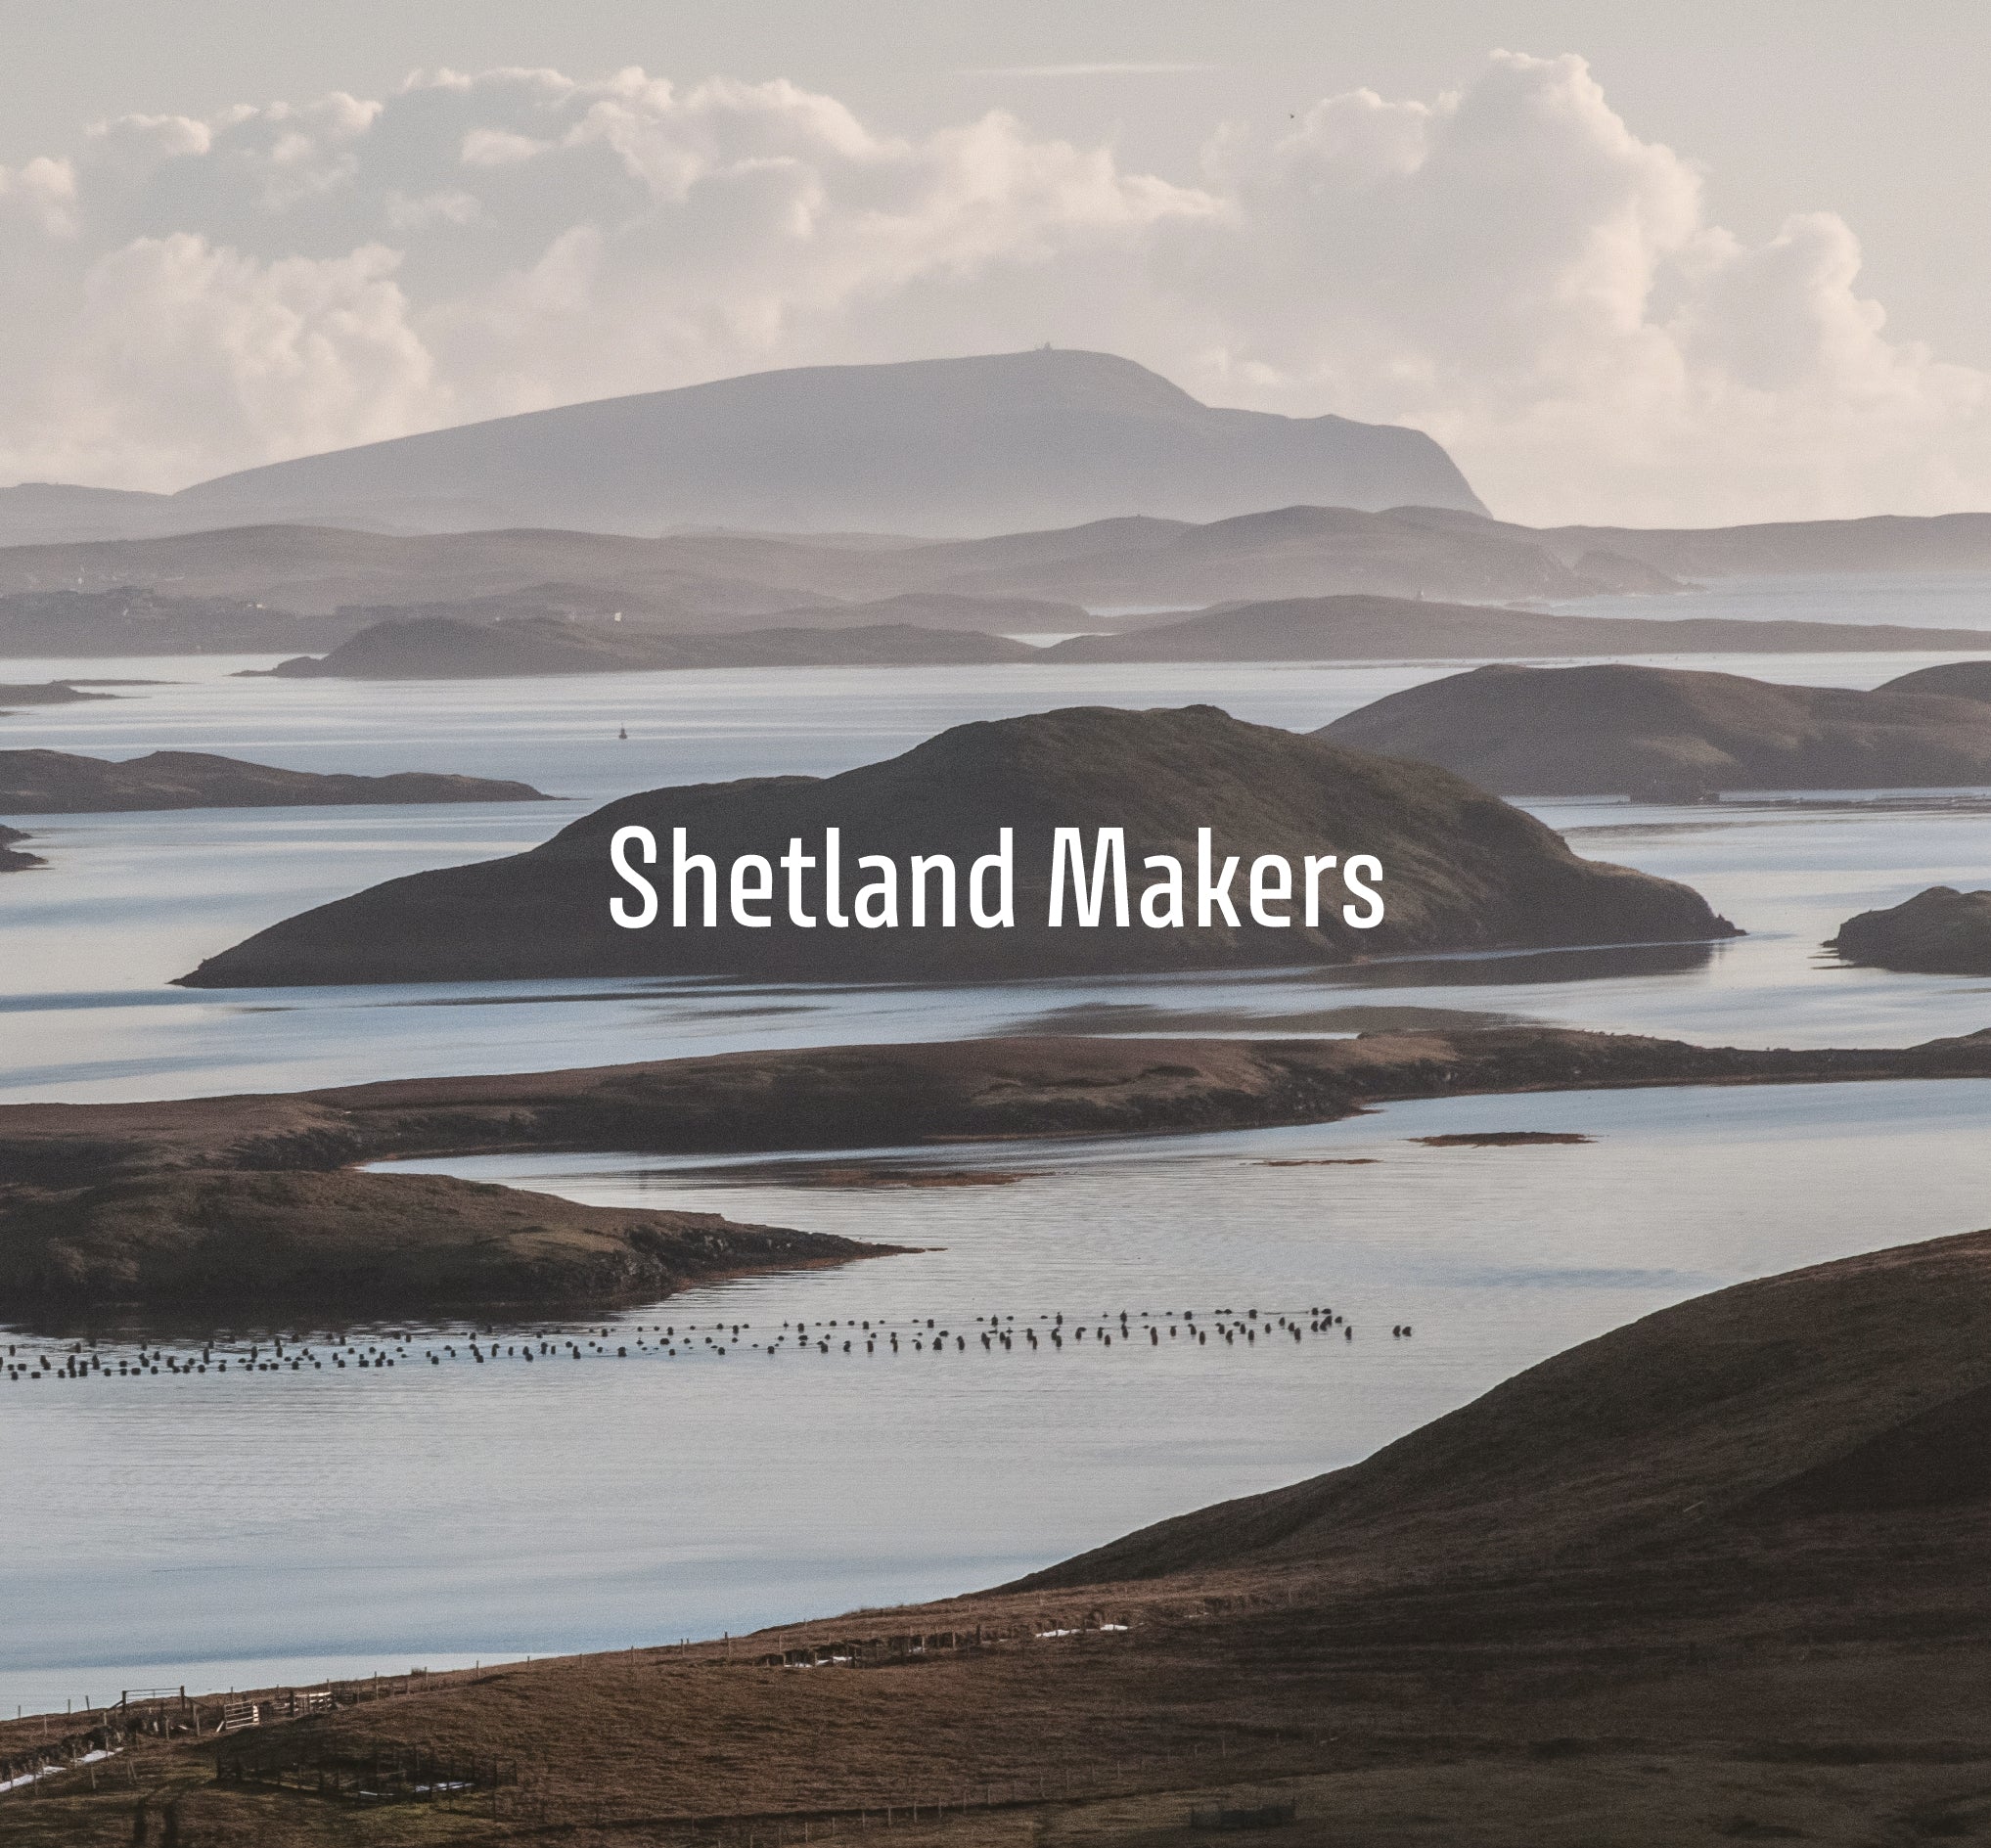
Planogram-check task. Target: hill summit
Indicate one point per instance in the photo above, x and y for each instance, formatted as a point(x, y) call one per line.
point(940, 446)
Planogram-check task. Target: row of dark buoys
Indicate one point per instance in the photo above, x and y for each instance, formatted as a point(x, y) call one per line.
point(847, 1335)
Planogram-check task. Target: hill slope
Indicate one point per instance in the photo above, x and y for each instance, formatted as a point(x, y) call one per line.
point(1461, 869)
point(1857, 1388)
point(983, 444)
point(1616, 729)
point(1959, 680)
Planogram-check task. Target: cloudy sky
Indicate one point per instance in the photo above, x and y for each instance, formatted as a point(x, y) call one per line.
point(1689, 264)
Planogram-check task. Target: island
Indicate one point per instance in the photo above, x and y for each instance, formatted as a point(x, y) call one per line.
point(61, 783)
point(1940, 931)
point(1462, 870)
point(447, 648)
point(45, 693)
point(1669, 734)
point(13, 858)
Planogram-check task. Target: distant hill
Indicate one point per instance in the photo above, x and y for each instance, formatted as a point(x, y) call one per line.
point(717, 580)
point(1397, 628)
point(1615, 730)
point(945, 609)
point(264, 573)
point(1285, 552)
point(53, 513)
point(1886, 542)
point(437, 647)
point(36, 625)
point(1464, 869)
point(985, 444)
point(59, 783)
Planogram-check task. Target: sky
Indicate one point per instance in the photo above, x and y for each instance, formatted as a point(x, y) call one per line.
point(1690, 264)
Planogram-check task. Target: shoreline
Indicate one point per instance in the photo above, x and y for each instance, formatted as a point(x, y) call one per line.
point(244, 1202)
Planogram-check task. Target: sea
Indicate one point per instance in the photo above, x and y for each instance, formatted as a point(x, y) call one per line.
point(251, 1527)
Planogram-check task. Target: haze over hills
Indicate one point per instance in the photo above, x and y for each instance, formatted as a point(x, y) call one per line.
point(711, 580)
point(979, 444)
point(1395, 628)
point(287, 587)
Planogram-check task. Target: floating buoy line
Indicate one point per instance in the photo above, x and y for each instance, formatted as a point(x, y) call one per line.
point(1054, 1333)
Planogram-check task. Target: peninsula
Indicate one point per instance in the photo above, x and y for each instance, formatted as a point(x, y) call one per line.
point(239, 1199)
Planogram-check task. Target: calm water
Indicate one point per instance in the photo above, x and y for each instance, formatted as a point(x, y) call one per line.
point(130, 901)
point(232, 1530)
point(324, 1520)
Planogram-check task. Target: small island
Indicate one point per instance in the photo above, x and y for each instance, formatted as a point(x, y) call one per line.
point(447, 648)
point(61, 783)
point(1673, 735)
point(1940, 931)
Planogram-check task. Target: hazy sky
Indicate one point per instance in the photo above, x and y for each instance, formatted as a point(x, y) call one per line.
point(1661, 262)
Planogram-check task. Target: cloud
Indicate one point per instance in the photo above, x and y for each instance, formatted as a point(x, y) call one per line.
point(1509, 267)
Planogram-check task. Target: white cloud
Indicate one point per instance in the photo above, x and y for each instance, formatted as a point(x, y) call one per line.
point(1510, 267)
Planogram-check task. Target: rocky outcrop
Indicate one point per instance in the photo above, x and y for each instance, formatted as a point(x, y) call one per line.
point(1940, 931)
